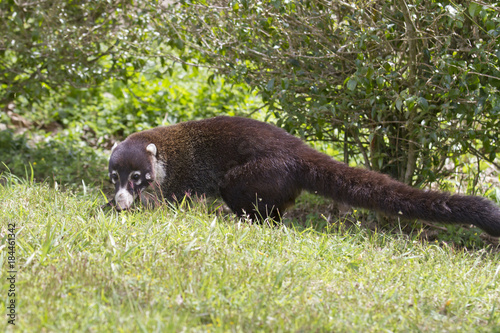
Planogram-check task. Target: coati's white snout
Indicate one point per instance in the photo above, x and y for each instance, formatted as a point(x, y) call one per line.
point(123, 199)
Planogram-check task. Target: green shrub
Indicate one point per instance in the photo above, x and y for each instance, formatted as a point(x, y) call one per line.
point(64, 159)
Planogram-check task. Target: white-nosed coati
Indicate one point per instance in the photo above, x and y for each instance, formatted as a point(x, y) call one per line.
point(259, 169)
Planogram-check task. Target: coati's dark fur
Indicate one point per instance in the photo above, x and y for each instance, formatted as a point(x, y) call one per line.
point(259, 169)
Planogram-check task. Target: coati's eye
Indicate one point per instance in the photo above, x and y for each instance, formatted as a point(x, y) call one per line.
point(135, 176)
point(114, 177)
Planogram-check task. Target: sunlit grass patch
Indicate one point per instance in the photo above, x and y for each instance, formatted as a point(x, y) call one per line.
point(84, 269)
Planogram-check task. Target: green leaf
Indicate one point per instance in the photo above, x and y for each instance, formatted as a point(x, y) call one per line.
point(474, 9)
point(399, 103)
point(270, 85)
point(284, 83)
point(352, 83)
point(423, 103)
point(380, 81)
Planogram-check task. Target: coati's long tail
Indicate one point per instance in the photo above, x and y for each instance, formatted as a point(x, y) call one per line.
point(372, 190)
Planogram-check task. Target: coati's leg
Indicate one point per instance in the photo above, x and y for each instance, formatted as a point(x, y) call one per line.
point(258, 205)
point(260, 189)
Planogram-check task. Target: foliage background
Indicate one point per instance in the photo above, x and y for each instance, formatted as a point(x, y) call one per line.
point(405, 85)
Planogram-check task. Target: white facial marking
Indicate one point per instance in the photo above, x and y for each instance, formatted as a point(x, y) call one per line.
point(135, 177)
point(159, 170)
point(148, 176)
point(123, 199)
point(112, 176)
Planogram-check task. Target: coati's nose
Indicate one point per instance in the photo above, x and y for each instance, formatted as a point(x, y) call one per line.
point(123, 199)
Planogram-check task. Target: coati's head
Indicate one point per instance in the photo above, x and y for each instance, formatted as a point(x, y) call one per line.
point(133, 166)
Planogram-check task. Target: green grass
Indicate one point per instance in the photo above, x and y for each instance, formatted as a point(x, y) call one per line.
point(82, 269)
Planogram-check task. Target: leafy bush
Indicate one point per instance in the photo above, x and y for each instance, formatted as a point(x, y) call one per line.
point(64, 159)
point(405, 85)
point(159, 96)
point(51, 45)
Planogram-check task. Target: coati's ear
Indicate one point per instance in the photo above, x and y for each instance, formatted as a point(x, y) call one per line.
point(151, 148)
point(114, 146)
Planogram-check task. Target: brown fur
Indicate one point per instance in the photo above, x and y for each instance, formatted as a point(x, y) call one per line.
point(259, 169)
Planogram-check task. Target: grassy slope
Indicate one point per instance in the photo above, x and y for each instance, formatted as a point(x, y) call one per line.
point(164, 270)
